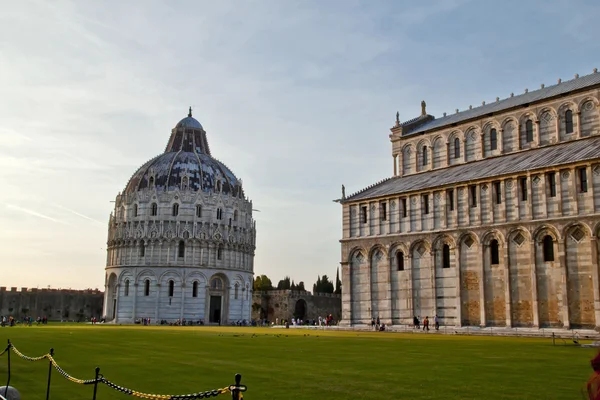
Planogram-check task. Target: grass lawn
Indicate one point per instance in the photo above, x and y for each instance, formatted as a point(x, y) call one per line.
point(295, 364)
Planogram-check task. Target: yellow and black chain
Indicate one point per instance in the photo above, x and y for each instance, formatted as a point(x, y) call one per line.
point(199, 395)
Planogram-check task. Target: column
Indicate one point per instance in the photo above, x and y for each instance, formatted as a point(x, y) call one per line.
point(595, 283)
point(135, 287)
point(455, 195)
point(157, 301)
point(501, 140)
point(433, 283)
point(482, 323)
point(557, 127)
point(447, 154)
point(408, 214)
point(563, 284)
point(467, 192)
point(578, 121)
point(395, 157)
point(519, 135)
point(482, 141)
point(117, 290)
point(206, 303)
point(573, 190)
point(411, 296)
point(534, 295)
point(431, 216)
point(508, 304)
point(589, 196)
point(346, 294)
point(182, 297)
point(529, 203)
point(458, 286)
point(537, 132)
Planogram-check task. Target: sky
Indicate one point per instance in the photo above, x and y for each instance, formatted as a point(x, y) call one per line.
point(297, 98)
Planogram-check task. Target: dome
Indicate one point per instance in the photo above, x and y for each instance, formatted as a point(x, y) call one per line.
point(186, 164)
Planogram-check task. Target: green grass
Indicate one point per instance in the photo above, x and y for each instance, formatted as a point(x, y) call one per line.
point(295, 364)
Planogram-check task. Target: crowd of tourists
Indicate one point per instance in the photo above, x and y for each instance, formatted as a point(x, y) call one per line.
point(417, 323)
point(9, 320)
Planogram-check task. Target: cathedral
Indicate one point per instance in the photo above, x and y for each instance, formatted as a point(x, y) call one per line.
point(181, 239)
point(490, 218)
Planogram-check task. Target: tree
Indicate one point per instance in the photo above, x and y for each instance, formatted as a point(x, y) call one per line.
point(300, 286)
point(262, 283)
point(323, 285)
point(338, 283)
point(284, 284)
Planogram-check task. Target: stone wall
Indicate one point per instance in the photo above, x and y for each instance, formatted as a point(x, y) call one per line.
point(288, 304)
point(55, 304)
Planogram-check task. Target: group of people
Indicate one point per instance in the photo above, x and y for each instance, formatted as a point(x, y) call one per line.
point(26, 321)
point(417, 323)
point(377, 325)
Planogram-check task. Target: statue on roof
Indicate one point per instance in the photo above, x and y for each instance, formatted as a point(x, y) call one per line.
point(343, 192)
point(423, 108)
point(397, 118)
point(190, 112)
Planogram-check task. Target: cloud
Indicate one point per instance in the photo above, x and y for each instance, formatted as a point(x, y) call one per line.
point(35, 214)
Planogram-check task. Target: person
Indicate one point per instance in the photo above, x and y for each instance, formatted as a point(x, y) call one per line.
point(378, 322)
point(373, 323)
point(593, 384)
point(437, 322)
point(426, 323)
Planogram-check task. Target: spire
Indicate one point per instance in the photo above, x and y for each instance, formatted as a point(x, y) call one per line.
point(190, 112)
point(423, 108)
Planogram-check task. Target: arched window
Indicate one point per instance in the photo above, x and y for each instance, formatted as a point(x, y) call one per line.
point(175, 209)
point(493, 140)
point(181, 250)
point(425, 161)
point(151, 182)
point(569, 121)
point(154, 209)
point(235, 215)
point(171, 288)
point(529, 131)
point(236, 289)
point(147, 287)
point(446, 256)
point(127, 287)
point(457, 148)
point(198, 211)
point(142, 249)
point(195, 289)
point(400, 260)
point(548, 248)
point(220, 252)
point(494, 252)
point(216, 284)
point(135, 210)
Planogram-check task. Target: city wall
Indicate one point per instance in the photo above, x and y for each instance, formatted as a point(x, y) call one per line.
point(288, 304)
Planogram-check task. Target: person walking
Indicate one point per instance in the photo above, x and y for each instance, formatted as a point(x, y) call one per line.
point(426, 323)
point(437, 322)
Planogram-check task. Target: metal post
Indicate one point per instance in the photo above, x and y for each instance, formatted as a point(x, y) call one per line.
point(8, 347)
point(553, 342)
point(235, 389)
point(96, 382)
point(49, 374)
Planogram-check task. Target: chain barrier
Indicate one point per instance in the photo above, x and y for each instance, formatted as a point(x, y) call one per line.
point(235, 389)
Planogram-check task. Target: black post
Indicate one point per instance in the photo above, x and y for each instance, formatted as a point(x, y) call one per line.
point(553, 340)
point(96, 382)
point(235, 389)
point(8, 382)
point(49, 374)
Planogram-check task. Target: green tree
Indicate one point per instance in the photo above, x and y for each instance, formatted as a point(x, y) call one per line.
point(338, 283)
point(262, 283)
point(300, 286)
point(323, 285)
point(284, 284)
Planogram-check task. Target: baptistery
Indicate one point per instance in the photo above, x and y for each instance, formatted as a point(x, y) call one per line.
point(181, 239)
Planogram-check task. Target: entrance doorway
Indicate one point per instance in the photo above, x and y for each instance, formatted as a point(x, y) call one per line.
point(215, 309)
point(300, 309)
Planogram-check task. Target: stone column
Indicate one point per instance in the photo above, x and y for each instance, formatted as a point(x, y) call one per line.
point(537, 132)
point(557, 127)
point(447, 154)
point(482, 146)
point(589, 196)
point(207, 303)
point(595, 278)
point(455, 195)
point(578, 121)
point(508, 304)
point(558, 193)
point(411, 296)
point(529, 202)
point(573, 190)
point(182, 297)
point(467, 195)
point(395, 157)
point(433, 283)
point(157, 301)
point(500, 140)
point(409, 214)
point(431, 216)
point(135, 290)
point(563, 284)
point(458, 286)
point(482, 323)
point(117, 294)
point(519, 145)
point(534, 294)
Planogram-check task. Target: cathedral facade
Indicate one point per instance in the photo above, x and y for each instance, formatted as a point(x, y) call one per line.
point(491, 217)
point(181, 239)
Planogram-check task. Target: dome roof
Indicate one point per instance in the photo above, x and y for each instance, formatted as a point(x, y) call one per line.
point(186, 164)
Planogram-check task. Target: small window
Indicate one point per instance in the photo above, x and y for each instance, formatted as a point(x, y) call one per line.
point(219, 213)
point(548, 248)
point(493, 140)
point(425, 161)
point(235, 215)
point(135, 210)
point(218, 186)
point(404, 208)
point(151, 182)
point(426, 204)
point(175, 209)
point(524, 189)
point(198, 211)
point(171, 288)
point(142, 249)
point(569, 121)
point(400, 260)
point(154, 209)
point(583, 182)
point(195, 289)
point(552, 183)
point(181, 250)
point(236, 289)
point(446, 256)
point(363, 214)
point(229, 221)
point(450, 194)
point(498, 192)
point(529, 131)
point(220, 252)
point(473, 190)
point(126, 287)
point(457, 148)
point(383, 211)
point(147, 287)
point(494, 252)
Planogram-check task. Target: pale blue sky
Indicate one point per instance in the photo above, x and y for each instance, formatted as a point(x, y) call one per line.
point(297, 98)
